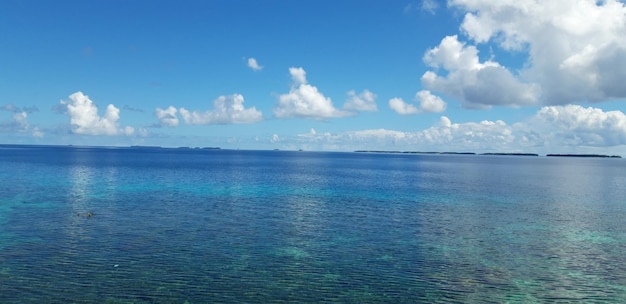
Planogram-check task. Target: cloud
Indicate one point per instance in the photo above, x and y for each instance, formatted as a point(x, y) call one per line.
point(476, 84)
point(226, 110)
point(401, 107)
point(576, 125)
point(552, 129)
point(484, 135)
point(252, 63)
point(85, 120)
point(167, 117)
point(132, 109)
point(574, 50)
point(304, 100)
point(298, 75)
point(430, 6)
point(275, 138)
point(37, 133)
point(9, 107)
point(427, 103)
point(19, 121)
point(364, 102)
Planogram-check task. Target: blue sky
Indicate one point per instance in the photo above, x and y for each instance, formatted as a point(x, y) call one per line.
point(461, 75)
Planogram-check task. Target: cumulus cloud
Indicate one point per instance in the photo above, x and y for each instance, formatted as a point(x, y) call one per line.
point(577, 125)
point(254, 65)
point(20, 120)
point(226, 110)
point(477, 84)
point(18, 123)
point(304, 100)
point(85, 120)
point(427, 103)
point(401, 107)
point(167, 117)
point(574, 49)
point(365, 101)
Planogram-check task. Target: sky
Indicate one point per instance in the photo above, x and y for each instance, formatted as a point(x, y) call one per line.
point(408, 75)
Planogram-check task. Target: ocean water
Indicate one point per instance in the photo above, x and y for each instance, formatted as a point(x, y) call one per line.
point(95, 225)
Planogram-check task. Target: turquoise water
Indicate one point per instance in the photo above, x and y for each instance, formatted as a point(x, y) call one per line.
point(200, 226)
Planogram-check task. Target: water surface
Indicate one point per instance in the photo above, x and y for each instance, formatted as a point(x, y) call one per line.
point(200, 226)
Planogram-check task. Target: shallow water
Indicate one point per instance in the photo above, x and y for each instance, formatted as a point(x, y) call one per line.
point(199, 226)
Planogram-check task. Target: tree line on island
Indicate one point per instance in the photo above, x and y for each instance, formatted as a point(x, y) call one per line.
point(491, 153)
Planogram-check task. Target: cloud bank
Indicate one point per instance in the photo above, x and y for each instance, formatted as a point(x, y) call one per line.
point(553, 129)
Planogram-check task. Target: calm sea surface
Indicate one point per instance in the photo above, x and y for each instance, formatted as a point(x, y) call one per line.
point(199, 226)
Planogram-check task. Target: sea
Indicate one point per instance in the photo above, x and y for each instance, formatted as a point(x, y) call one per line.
point(157, 225)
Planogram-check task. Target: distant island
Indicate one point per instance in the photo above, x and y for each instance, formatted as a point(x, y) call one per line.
point(584, 155)
point(512, 154)
point(492, 153)
point(453, 153)
point(179, 148)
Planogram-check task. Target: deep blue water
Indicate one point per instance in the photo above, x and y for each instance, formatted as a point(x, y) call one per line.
point(199, 226)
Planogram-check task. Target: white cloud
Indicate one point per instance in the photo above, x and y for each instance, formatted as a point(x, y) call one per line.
point(365, 101)
point(401, 107)
point(476, 84)
point(226, 110)
point(427, 103)
point(167, 117)
point(553, 129)
point(85, 120)
point(484, 135)
point(298, 75)
point(37, 133)
point(143, 132)
point(304, 100)
point(252, 63)
point(275, 138)
point(576, 125)
point(430, 6)
point(128, 130)
point(575, 52)
point(20, 121)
